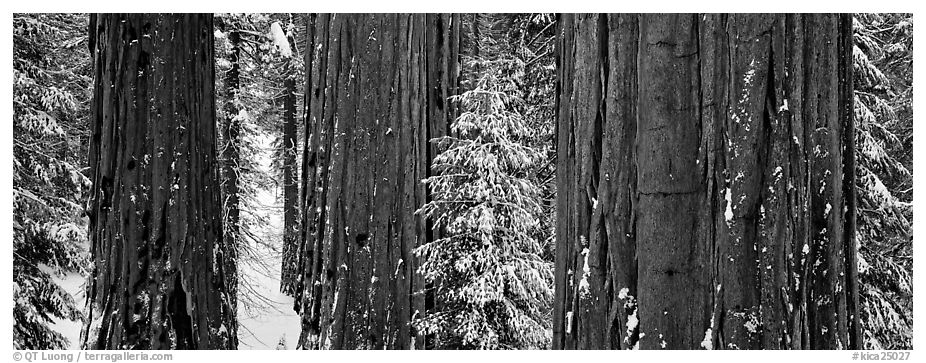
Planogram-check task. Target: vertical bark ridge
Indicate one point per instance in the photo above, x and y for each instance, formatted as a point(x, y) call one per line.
point(617, 185)
point(563, 331)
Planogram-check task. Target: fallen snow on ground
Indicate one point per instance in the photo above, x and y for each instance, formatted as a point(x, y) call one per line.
point(73, 283)
point(273, 324)
point(266, 319)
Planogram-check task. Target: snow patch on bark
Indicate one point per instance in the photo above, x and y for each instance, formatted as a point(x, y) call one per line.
point(568, 322)
point(630, 306)
point(728, 214)
point(752, 325)
point(586, 272)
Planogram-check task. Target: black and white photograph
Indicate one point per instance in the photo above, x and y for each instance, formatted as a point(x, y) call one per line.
point(460, 181)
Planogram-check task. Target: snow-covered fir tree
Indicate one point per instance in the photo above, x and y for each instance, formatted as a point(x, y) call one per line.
point(883, 65)
point(485, 267)
point(50, 97)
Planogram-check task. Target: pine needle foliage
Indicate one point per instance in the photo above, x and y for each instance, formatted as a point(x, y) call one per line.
point(50, 104)
point(883, 65)
point(485, 269)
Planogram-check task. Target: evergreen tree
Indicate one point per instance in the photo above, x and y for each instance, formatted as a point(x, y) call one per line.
point(229, 125)
point(50, 104)
point(883, 62)
point(533, 38)
point(288, 149)
point(491, 286)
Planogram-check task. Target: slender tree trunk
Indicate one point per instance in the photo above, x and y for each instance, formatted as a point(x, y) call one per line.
point(305, 254)
point(290, 183)
point(706, 183)
point(376, 93)
point(231, 157)
point(158, 280)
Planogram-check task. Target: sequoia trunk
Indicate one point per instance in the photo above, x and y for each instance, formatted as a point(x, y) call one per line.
point(377, 88)
point(158, 279)
point(705, 182)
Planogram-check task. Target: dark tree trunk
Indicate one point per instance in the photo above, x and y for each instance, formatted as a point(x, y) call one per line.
point(231, 157)
point(290, 183)
point(158, 280)
point(376, 93)
point(705, 169)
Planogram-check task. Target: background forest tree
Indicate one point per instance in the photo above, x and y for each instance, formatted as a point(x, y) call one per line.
point(262, 66)
point(486, 268)
point(279, 55)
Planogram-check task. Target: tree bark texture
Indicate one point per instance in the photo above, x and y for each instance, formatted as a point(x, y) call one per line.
point(705, 169)
point(377, 88)
point(158, 279)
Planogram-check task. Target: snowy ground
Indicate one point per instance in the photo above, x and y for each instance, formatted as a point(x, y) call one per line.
point(73, 283)
point(270, 319)
point(266, 319)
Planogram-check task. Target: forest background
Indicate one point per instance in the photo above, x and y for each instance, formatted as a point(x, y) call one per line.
point(260, 139)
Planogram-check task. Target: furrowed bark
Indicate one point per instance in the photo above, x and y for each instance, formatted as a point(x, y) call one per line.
point(376, 94)
point(158, 279)
point(706, 182)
